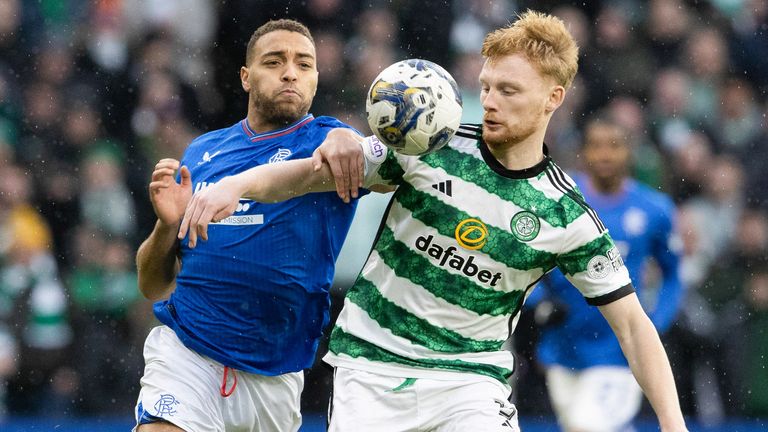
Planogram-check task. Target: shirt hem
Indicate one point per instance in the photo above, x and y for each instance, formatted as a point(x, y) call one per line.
point(394, 370)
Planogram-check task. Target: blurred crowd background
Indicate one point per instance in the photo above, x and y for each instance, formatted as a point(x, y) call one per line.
point(93, 93)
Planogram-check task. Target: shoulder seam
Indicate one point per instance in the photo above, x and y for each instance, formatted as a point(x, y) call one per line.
point(560, 183)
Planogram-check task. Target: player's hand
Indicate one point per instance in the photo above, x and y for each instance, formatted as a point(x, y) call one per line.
point(210, 204)
point(342, 152)
point(169, 199)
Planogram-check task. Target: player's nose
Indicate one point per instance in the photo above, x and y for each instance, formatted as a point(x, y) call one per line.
point(289, 74)
point(489, 101)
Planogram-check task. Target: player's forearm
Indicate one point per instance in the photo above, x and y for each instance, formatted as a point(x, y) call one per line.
point(648, 360)
point(156, 262)
point(281, 181)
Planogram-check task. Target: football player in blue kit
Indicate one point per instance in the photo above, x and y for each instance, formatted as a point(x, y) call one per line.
point(589, 381)
point(242, 313)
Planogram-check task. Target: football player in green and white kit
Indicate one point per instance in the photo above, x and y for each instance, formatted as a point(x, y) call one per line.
point(418, 345)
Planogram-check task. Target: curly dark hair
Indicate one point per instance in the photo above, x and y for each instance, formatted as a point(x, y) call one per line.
point(274, 25)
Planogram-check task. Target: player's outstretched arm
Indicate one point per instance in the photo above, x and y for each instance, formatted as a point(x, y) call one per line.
point(342, 151)
point(265, 183)
point(156, 259)
point(647, 359)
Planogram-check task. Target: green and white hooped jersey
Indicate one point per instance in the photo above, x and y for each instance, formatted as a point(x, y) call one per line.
point(461, 246)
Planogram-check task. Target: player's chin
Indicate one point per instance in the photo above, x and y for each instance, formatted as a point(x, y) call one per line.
point(297, 107)
point(495, 137)
point(287, 113)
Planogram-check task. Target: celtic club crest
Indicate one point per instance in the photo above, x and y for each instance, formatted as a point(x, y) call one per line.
point(525, 226)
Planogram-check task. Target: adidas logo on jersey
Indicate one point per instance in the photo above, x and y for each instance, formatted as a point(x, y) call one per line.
point(448, 257)
point(444, 187)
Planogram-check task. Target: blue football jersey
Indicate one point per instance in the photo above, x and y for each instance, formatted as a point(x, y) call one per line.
point(640, 221)
point(255, 295)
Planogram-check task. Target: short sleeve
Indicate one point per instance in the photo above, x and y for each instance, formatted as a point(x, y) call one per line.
point(594, 265)
point(382, 165)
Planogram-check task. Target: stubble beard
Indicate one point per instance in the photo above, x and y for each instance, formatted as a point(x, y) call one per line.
point(279, 114)
point(510, 138)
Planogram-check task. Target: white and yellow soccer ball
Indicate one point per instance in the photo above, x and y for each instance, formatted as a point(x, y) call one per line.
point(414, 107)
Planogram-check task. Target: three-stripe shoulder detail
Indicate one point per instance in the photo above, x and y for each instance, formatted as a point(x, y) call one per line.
point(472, 131)
point(560, 181)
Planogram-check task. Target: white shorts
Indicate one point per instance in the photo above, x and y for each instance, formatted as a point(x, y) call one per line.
point(184, 388)
point(368, 402)
point(598, 399)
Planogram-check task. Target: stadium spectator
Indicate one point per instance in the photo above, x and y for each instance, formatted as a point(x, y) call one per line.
point(745, 253)
point(669, 109)
point(749, 50)
point(667, 25)
point(722, 200)
point(331, 65)
point(105, 202)
point(705, 58)
point(738, 121)
point(14, 42)
point(623, 61)
point(690, 159)
point(753, 159)
point(35, 312)
point(756, 323)
point(109, 321)
point(474, 19)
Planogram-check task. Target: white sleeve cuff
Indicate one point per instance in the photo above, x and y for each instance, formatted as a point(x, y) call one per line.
point(375, 153)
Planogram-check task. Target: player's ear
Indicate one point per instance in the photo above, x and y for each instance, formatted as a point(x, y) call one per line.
point(244, 79)
point(556, 97)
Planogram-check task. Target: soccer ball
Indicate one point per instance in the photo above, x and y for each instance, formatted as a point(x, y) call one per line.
point(414, 107)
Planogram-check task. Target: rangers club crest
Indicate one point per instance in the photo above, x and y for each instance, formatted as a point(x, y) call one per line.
point(166, 405)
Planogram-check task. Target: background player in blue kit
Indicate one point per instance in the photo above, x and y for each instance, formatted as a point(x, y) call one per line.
point(589, 382)
point(246, 308)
